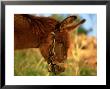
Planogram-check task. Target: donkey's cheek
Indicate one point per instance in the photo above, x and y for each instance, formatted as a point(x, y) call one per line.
point(60, 53)
point(44, 51)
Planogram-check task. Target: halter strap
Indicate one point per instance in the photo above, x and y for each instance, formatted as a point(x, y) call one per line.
point(52, 53)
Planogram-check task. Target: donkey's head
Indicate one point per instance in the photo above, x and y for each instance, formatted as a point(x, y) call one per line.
point(58, 42)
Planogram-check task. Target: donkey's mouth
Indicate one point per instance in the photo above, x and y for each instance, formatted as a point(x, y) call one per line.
point(57, 68)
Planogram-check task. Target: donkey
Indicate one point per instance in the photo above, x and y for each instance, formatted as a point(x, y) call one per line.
point(51, 36)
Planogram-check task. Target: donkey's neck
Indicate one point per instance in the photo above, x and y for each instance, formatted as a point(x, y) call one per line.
point(31, 31)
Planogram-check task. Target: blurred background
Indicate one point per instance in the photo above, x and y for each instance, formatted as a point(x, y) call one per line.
point(82, 60)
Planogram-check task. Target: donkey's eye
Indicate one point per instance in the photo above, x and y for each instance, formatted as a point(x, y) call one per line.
point(60, 45)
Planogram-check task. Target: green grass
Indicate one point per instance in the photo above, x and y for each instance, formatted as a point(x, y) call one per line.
point(31, 63)
point(87, 72)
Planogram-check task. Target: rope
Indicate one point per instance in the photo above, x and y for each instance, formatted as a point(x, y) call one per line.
point(52, 54)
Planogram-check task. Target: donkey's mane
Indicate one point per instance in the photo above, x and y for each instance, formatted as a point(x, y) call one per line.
point(44, 24)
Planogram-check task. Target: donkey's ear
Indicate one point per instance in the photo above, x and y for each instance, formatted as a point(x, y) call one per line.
point(67, 21)
point(73, 25)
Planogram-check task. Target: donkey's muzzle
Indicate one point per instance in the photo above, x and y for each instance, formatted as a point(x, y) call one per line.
point(57, 68)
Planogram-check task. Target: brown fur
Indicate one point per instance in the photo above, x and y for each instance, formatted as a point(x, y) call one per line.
point(31, 32)
point(35, 32)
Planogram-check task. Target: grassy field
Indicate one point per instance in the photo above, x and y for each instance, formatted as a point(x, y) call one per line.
point(81, 61)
